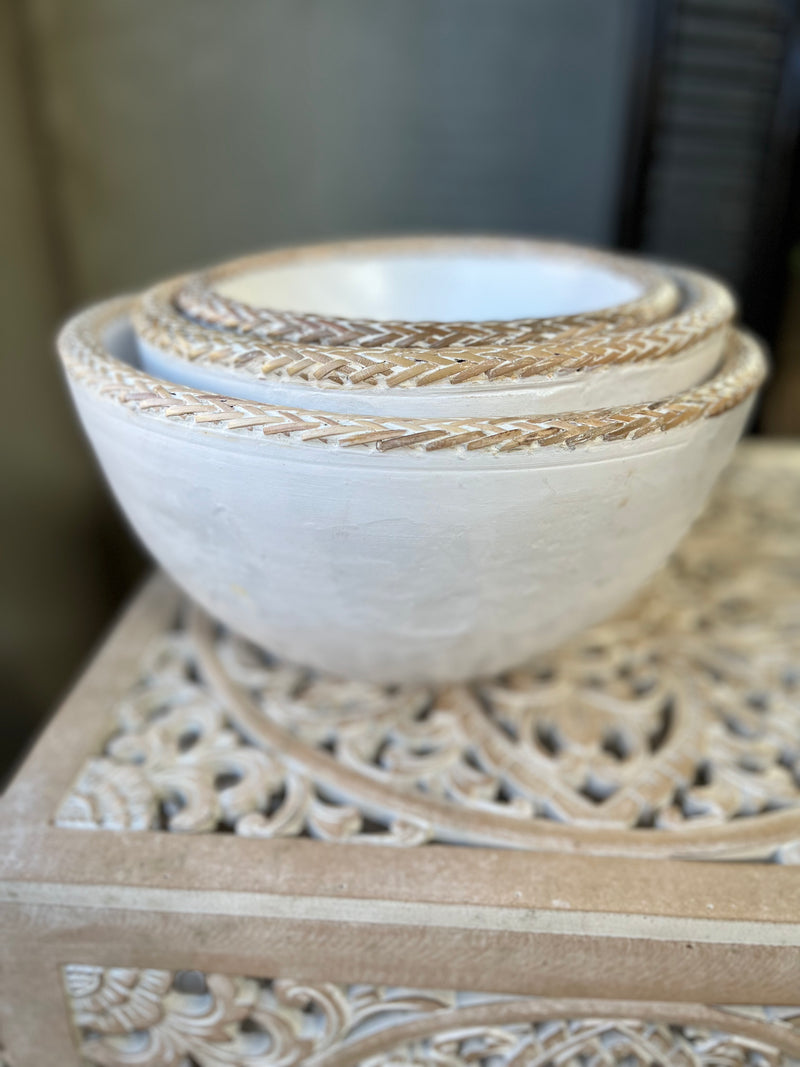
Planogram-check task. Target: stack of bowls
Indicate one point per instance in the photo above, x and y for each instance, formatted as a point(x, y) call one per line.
point(415, 460)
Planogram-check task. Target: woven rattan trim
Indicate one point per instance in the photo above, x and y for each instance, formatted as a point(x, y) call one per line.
point(89, 364)
point(199, 298)
point(707, 308)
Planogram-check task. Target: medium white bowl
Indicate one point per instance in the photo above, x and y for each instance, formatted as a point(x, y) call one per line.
point(582, 369)
point(400, 550)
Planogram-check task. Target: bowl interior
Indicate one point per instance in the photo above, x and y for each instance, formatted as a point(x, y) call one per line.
point(444, 286)
point(119, 340)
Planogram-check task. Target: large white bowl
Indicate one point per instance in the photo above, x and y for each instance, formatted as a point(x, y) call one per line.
point(395, 550)
point(580, 369)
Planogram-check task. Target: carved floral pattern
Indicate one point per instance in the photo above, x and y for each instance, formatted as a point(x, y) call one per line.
point(672, 729)
point(152, 1018)
point(581, 1043)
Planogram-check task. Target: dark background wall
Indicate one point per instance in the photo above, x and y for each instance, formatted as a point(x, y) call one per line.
point(139, 138)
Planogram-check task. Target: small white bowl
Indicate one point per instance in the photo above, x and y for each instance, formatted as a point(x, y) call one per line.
point(582, 369)
point(428, 292)
point(400, 550)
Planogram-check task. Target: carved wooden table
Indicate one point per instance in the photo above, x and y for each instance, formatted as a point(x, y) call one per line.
point(589, 862)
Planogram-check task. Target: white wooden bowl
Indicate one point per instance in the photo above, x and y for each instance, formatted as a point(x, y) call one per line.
point(400, 550)
point(426, 292)
point(579, 368)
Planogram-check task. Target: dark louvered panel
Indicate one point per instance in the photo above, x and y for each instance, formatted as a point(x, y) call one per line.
point(713, 112)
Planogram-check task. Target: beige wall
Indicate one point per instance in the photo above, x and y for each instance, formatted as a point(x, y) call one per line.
point(55, 592)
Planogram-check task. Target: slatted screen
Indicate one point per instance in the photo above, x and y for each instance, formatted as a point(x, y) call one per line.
point(713, 113)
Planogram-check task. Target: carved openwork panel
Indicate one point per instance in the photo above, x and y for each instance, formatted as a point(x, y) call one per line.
point(674, 729)
point(155, 1018)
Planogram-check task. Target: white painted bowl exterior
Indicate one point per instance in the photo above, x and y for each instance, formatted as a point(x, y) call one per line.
point(405, 566)
point(608, 386)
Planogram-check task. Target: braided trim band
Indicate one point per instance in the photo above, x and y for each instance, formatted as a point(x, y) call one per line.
point(89, 364)
point(201, 300)
point(707, 308)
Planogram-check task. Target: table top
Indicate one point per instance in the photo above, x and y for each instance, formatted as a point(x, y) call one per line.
point(190, 774)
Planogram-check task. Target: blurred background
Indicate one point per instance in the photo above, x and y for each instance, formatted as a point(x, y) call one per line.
point(140, 138)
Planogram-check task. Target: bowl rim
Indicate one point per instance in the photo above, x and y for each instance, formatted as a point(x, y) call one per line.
point(707, 306)
point(199, 299)
point(89, 365)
